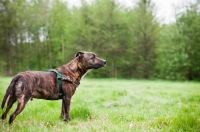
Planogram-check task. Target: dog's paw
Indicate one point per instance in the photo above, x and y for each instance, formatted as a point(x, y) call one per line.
point(66, 120)
point(3, 117)
point(11, 119)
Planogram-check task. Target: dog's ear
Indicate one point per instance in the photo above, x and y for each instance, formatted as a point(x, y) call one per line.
point(79, 54)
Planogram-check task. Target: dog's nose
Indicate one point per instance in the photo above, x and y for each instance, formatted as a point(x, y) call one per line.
point(104, 61)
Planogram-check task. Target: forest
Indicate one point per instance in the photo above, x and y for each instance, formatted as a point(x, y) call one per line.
point(43, 34)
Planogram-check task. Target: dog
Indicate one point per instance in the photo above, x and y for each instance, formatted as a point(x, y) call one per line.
point(45, 85)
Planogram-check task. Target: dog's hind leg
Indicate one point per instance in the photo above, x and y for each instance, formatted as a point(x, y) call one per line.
point(20, 106)
point(12, 99)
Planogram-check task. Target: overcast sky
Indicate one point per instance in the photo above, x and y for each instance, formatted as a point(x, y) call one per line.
point(164, 8)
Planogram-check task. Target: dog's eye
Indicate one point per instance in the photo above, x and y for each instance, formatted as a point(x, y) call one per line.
point(93, 56)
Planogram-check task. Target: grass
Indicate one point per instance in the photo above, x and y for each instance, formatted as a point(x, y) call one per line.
point(114, 105)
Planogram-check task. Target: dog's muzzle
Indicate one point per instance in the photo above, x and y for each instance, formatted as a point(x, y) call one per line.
point(100, 65)
point(104, 62)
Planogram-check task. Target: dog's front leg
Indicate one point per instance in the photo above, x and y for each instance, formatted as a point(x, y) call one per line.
point(62, 110)
point(66, 107)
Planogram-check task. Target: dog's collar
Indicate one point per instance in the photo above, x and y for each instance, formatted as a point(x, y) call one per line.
point(63, 77)
point(60, 78)
point(70, 80)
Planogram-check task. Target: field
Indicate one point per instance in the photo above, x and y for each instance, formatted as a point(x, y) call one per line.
point(114, 105)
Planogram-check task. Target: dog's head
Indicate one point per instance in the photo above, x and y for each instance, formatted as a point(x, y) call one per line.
point(89, 60)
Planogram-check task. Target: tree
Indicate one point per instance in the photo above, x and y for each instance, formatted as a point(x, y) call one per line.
point(189, 27)
point(100, 30)
point(10, 33)
point(58, 33)
point(171, 54)
point(145, 33)
point(178, 48)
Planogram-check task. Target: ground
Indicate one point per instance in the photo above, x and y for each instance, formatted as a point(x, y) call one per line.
point(114, 105)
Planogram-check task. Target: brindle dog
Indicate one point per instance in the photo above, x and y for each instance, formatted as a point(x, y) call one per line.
point(44, 85)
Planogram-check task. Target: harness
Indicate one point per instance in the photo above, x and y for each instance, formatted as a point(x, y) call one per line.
point(60, 78)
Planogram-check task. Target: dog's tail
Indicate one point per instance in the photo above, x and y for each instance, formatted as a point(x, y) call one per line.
point(9, 90)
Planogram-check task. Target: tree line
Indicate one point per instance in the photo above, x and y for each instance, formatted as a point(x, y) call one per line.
point(38, 35)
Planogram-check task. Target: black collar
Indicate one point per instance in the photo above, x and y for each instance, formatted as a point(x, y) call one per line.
point(70, 80)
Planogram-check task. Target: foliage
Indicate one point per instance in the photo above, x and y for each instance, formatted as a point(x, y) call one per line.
point(178, 47)
point(37, 35)
point(145, 30)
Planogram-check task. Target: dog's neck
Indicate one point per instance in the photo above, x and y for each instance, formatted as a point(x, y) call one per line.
point(73, 69)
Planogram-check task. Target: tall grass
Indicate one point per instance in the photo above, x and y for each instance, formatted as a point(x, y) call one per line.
point(115, 105)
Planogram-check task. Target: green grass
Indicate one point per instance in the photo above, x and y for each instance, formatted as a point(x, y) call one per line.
point(114, 105)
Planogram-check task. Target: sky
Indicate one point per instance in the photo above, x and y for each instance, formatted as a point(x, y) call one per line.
point(165, 9)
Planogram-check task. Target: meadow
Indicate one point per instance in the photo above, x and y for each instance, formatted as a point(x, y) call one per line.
point(114, 105)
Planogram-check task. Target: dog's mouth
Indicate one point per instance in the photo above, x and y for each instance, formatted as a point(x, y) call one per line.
point(101, 64)
point(97, 66)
